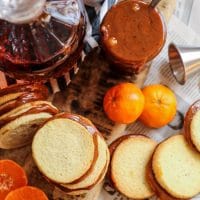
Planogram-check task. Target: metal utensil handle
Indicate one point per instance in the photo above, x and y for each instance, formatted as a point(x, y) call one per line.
point(154, 3)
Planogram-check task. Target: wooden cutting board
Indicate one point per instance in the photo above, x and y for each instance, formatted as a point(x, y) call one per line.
point(84, 96)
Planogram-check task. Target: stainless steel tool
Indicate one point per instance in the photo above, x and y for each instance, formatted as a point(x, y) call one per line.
point(184, 61)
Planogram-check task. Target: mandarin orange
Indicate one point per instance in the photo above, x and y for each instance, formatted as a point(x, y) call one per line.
point(124, 103)
point(27, 193)
point(12, 176)
point(160, 106)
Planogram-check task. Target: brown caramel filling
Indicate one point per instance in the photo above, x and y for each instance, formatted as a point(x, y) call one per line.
point(34, 110)
point(132, 32)
point(25, 87)
point(24, 98)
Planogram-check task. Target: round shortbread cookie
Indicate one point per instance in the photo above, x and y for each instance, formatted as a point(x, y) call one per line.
point(195, 130)
point(25, 107)
point(9, 97)
point(160, 192)
point(63, 150)
point(176, 167)
point(128, 166)
point(192, 125)
point(95, 173)
point(80, 191)
point(20, 131)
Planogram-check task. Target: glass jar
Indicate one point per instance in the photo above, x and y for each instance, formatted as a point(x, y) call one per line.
point(40, 39)
point(132, 34)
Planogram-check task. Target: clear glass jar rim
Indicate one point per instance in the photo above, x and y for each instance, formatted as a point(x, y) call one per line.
point(21, 11)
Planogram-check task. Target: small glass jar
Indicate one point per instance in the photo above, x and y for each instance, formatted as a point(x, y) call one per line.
point(41, 39)
point(132, 34)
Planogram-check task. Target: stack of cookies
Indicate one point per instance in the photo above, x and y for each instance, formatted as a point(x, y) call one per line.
point(129, 157)
point(23, 108)
point(174, 170)
point(140, 168)
point(70, 152)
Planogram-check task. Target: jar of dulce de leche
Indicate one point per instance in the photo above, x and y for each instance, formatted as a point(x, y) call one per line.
point(40, 39)
point(132, 34)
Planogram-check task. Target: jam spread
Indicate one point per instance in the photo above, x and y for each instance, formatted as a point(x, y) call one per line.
point(132, 33)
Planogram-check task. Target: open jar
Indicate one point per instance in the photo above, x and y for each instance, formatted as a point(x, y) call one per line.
point(132, 34)
point(40, 39)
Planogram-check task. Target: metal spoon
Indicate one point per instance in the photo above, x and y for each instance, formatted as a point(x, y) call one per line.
point(154, 3)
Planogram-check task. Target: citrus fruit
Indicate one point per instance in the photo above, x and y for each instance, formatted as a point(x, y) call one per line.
point(123, 103)
point(160, 106)
point(12, 176)
point(26, 193)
